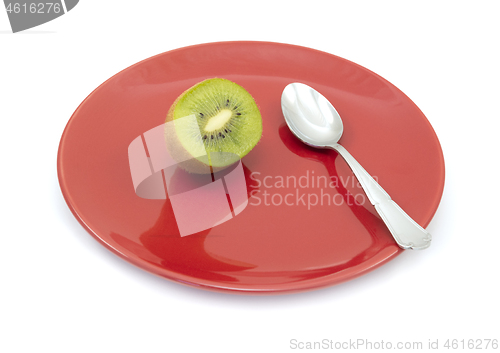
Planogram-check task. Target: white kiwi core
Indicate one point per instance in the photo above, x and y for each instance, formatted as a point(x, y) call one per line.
point(219, 120)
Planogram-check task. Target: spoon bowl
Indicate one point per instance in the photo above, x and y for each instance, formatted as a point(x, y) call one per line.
point(310, 116)
point(314, 120)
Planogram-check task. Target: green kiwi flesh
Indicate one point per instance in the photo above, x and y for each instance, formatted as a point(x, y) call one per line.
point(214, 116)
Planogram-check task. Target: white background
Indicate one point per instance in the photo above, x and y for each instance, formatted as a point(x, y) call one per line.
point(61, 291)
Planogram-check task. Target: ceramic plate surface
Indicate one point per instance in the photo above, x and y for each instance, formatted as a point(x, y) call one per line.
point(307, 223)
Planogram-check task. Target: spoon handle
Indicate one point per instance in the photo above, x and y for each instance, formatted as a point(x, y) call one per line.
point(407, 233)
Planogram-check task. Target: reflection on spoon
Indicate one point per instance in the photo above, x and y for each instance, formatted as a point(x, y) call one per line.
point(373, 224)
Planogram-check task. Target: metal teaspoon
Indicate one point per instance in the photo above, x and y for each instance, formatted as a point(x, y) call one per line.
point(313, 119)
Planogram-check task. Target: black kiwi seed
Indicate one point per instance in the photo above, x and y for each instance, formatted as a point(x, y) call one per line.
point(201, 114)
point(220, 134)
point(212, 137)
point(227, 102)
point(238, 113)
point(225, 130)
point(205, 137)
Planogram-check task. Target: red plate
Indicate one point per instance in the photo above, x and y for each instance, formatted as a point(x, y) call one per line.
point(307, 223)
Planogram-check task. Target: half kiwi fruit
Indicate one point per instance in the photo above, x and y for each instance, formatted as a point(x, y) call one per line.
point(212, 125)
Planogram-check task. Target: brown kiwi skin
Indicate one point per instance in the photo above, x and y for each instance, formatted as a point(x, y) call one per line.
point(178, 152)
